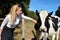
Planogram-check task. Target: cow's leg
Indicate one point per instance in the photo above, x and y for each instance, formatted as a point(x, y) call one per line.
point(57, 35)
point(45, 36)
point(41, 36)
point(37, 34)
point(53, 37)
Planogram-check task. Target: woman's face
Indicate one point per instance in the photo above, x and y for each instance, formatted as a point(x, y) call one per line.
point(19, 11)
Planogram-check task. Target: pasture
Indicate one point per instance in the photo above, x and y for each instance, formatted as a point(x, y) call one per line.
point(29, 26)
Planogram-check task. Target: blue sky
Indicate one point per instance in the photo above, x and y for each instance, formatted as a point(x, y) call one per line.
point(48, 5)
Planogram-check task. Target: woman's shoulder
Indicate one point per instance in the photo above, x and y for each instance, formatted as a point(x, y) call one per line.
point(8, 15)
point(22, 14)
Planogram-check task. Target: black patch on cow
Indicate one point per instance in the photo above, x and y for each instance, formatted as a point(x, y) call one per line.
point(42, 39)
point(47, 23)
point(47, 39)
point(38, 24)
point(55, 22)
point(23, 38)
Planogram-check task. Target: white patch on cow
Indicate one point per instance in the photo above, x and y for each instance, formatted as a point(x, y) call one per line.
point(59, 23)
point(45, 36)
point(42, 35)
point(51, 29)
point(54, 16)
point(43, 14)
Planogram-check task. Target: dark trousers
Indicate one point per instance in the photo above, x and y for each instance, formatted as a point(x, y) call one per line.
point(7, 33)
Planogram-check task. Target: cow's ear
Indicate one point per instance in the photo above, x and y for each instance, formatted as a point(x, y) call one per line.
point(49, 14)
point(37, 13)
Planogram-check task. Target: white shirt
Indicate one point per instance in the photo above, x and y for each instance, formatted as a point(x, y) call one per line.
point(6, 21)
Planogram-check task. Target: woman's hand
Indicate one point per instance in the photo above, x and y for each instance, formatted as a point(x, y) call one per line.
point(34, 21)
point(0, 37)
point(0, 33)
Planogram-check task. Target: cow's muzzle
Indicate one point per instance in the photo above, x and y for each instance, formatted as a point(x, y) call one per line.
point(42, 30)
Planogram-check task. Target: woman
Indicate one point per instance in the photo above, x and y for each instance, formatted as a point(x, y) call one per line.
point(10, 22)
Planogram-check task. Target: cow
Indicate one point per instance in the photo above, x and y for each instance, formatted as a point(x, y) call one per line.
point(46, 25)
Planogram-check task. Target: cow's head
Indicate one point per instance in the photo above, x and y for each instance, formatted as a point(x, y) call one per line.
point(43, 17)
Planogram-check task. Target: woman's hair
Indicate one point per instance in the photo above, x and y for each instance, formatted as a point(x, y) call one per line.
point(13, 9)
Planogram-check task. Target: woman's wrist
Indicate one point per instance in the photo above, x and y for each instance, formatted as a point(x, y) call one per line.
point(0, 31)
point(34, 21)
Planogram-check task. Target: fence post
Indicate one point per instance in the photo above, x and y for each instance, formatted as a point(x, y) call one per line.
point(23, 28)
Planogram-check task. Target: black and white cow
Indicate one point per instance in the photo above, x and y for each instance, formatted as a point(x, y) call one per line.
point(46, 25)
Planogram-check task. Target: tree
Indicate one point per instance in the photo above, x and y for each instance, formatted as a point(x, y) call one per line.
point(5, 5)
point(58, 12)
point(32, 14)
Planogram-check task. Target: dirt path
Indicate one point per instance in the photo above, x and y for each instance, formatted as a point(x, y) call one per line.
point(29, 26)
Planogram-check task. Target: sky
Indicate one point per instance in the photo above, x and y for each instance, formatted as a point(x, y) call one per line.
point(48, 5)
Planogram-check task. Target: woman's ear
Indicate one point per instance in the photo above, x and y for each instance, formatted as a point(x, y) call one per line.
point(37, 13)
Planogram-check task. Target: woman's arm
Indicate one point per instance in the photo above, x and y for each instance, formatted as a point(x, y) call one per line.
point(28, 18)
point(3, 24)
point(5, 21)
point(0, 33)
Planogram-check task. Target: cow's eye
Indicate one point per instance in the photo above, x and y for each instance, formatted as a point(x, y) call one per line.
point(48, 18)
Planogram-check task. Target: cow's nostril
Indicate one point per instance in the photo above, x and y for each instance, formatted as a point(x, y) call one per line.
point(42, 29)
